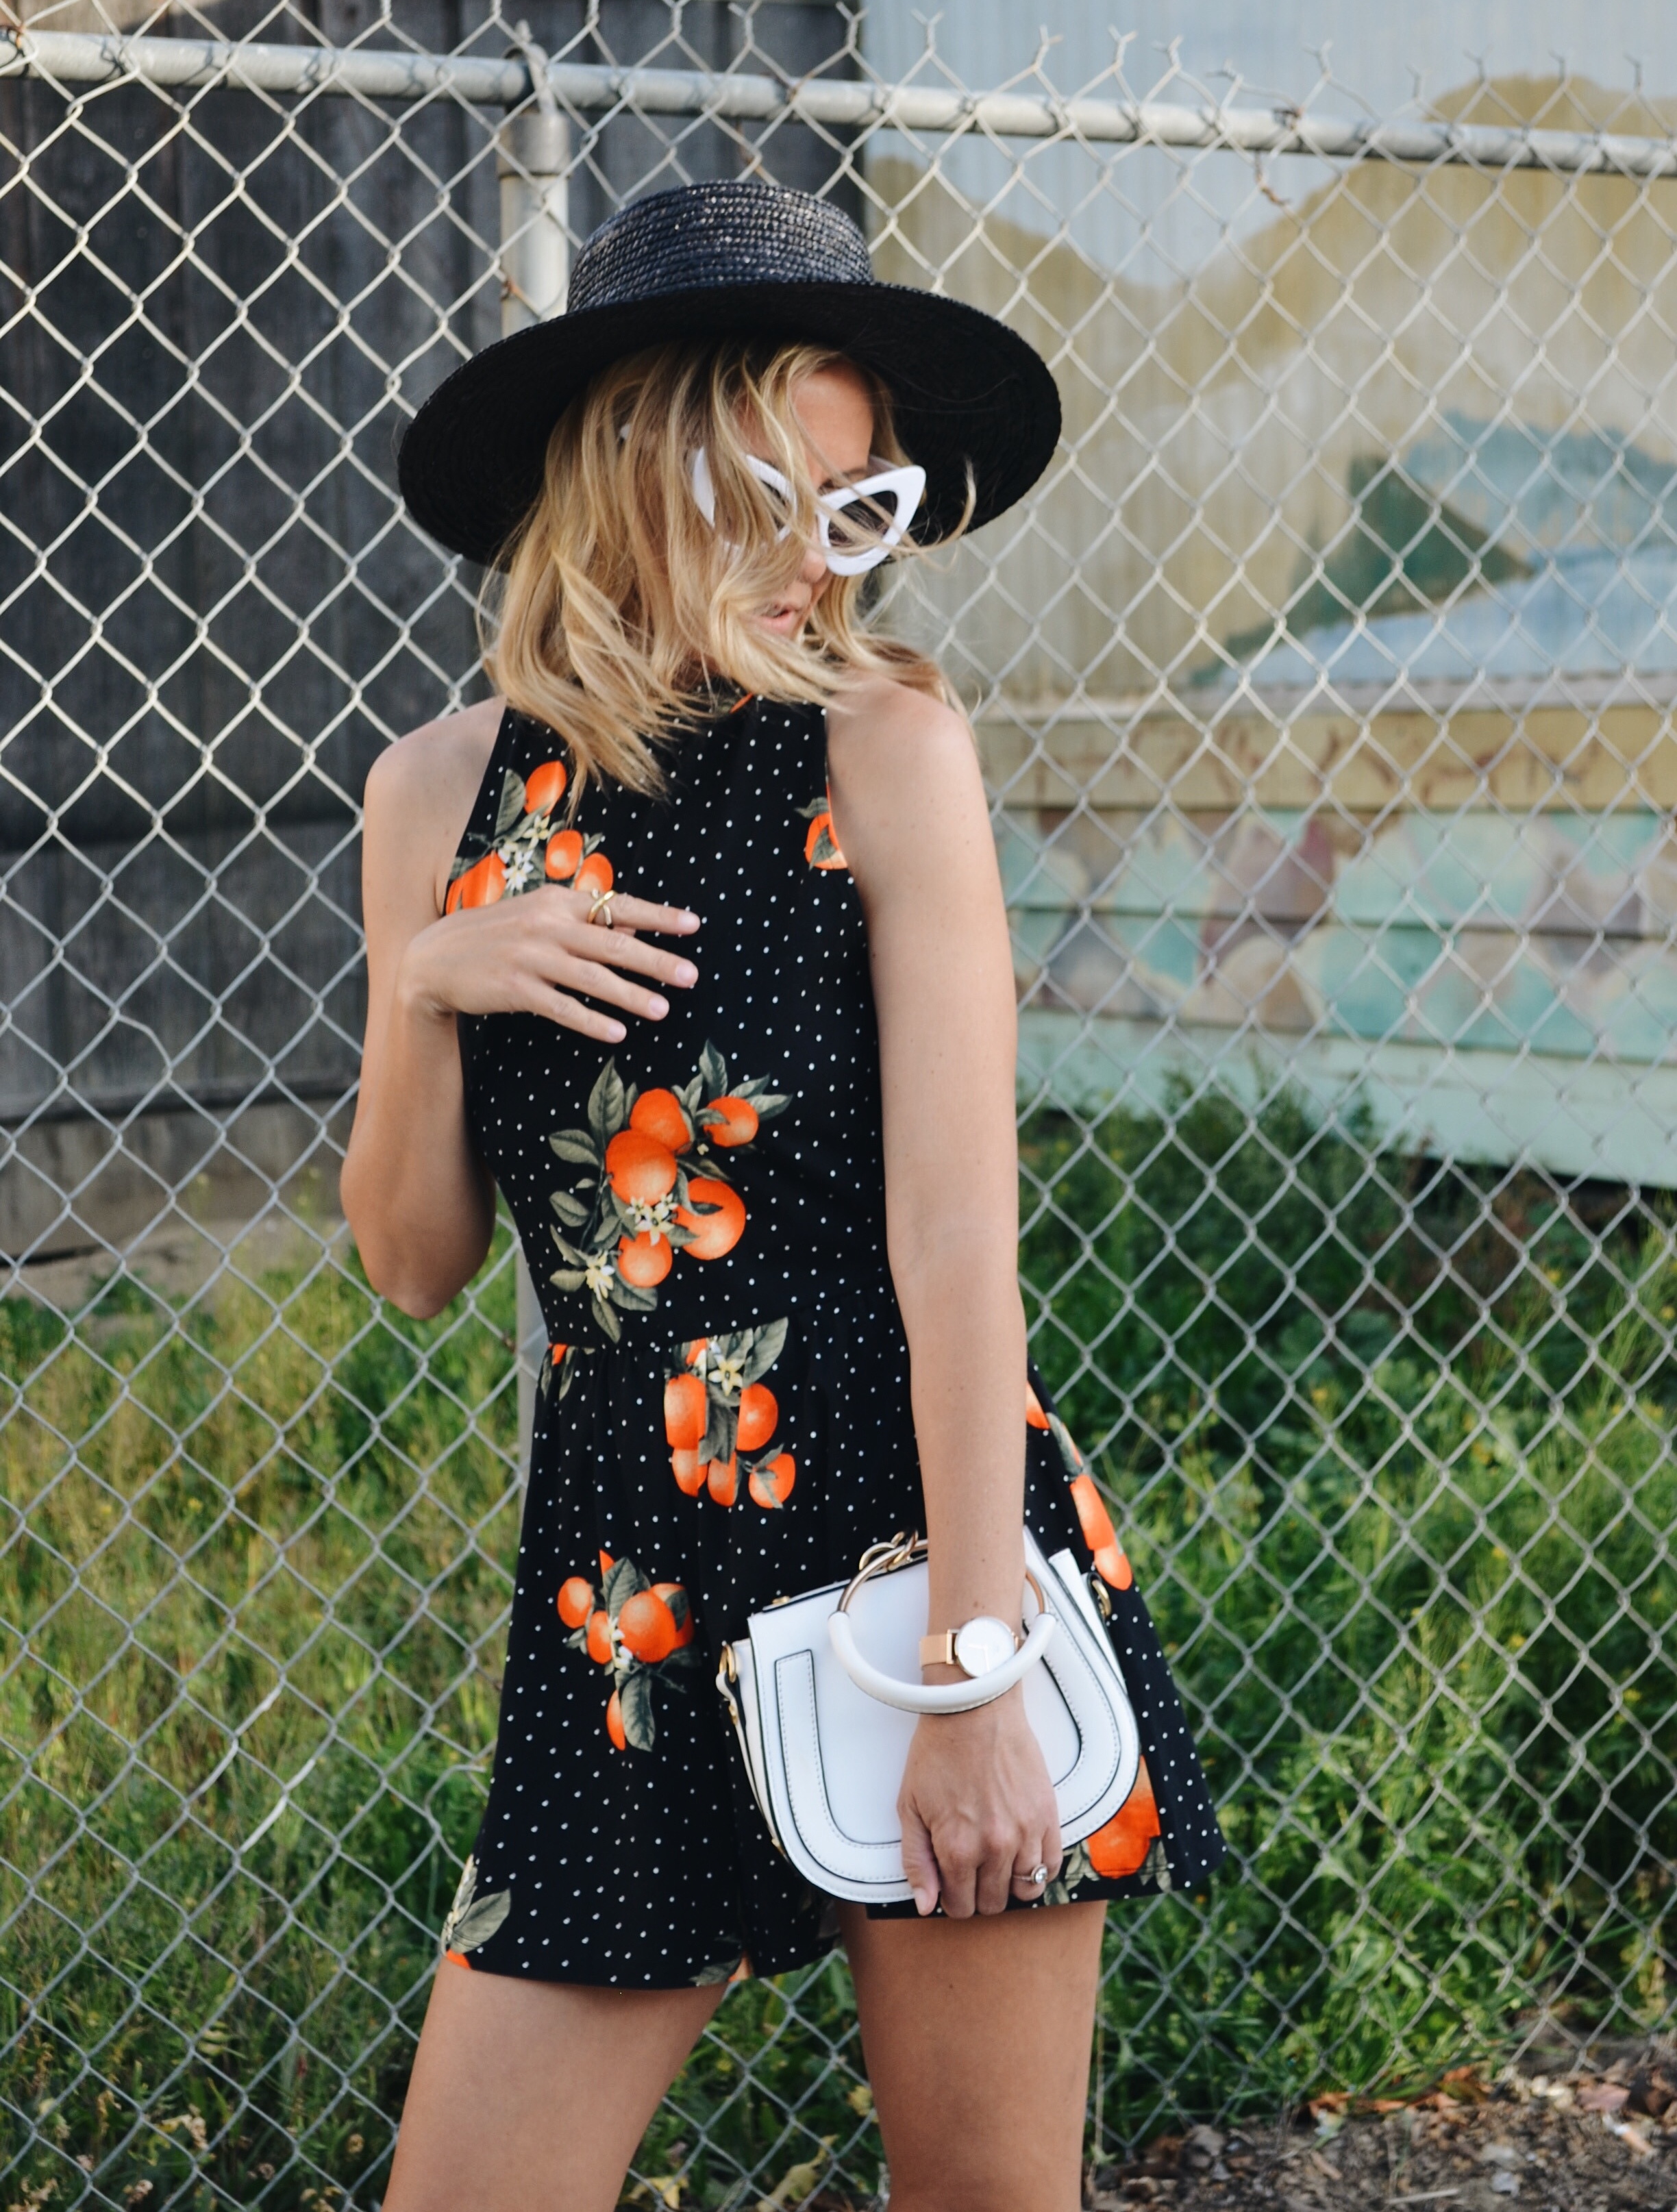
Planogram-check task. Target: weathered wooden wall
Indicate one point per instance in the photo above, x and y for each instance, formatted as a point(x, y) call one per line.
point(218, 613)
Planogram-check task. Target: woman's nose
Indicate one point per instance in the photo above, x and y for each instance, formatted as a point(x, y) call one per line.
point(815, 563)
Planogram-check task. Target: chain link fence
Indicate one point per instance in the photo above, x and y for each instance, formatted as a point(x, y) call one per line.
point(1325, 690)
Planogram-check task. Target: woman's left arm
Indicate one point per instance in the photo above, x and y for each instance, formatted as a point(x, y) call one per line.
point(910, 814)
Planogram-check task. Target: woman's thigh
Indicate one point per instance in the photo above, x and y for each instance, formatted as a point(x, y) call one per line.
point(977, 2034)
point(533, 2096)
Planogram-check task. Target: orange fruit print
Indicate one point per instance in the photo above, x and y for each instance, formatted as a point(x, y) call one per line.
point(713, 1235)
point(645, 1260)
point(639, 1203)
point(564, 854)
point(635, 1627)
point(544, 787)
point(821, 846)
point(771, 1483)
point(690, 1471)
point(730, 1122)
point(716, 1412)
point(758, 1416)
point(576, 1601)
point(481, 886)
point(685, 1411)
point(647, 1627)
point(658, 1114)
point(668, 1591)
point(640, 1169)
point(1122, 1846)
point(595, 874)
point(1099, 1533)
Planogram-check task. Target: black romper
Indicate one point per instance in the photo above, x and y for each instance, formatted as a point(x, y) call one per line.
point(724, 1415)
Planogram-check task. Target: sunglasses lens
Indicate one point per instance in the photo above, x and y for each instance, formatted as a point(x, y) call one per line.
point(861, 525)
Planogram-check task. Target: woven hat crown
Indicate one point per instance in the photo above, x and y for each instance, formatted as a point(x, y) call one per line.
point(732, 231)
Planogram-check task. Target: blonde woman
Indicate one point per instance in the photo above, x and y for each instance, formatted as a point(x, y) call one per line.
point(691, 944)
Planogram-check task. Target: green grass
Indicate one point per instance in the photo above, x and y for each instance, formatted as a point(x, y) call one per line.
point(1391, 1454)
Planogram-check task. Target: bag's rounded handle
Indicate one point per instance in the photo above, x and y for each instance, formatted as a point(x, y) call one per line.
point(937, 1697)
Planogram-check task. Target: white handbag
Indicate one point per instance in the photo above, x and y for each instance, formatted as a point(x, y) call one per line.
point(824, 1693)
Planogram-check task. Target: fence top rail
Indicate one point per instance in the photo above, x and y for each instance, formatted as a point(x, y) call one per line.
point(68, 58)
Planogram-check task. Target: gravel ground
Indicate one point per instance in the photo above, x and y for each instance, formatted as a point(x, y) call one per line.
point(1601, 2141)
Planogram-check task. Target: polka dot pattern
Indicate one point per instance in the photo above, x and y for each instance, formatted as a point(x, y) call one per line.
point(650, 1867)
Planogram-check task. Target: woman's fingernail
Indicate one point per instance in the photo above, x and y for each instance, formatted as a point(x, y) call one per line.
point(925, 1900)
point(614, 1032)
point(686, 974)
point(690, 922)
point(657, 1008)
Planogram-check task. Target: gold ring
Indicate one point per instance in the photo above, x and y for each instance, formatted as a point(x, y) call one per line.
point(602, 905)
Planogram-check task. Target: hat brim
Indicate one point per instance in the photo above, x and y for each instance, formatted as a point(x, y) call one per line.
point(966, 391)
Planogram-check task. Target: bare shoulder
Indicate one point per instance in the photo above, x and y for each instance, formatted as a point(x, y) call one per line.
point(907, 795)
point(896, 750)
point(418, 801)
point(426, 771)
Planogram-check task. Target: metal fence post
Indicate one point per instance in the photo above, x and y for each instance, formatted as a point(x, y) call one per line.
point(533, 163)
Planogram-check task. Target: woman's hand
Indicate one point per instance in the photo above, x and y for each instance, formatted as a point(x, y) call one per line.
point(978, 1810)
point(419, 1199)
point(539, 954)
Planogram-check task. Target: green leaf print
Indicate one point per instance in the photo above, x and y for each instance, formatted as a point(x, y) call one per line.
point(574, 1145)
point(766, 1346)
point(473, 1919)
point(636, 1207)
point(624, 1581)
point(607, 1107)
point(719, 1970)
point(634, 1702)
point(510, 805)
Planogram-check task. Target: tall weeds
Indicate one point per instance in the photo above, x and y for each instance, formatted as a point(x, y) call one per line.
point(1390, 1449)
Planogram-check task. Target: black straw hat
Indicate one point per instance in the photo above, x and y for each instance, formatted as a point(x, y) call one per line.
point(737, 257)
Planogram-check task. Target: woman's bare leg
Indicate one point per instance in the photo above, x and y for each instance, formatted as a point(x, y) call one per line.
point(533, 2096)
point(977, 2034)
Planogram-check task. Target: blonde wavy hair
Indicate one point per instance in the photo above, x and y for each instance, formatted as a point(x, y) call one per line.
point(618, 605)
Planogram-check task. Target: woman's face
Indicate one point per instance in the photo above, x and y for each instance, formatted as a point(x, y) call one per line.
point(836, 417)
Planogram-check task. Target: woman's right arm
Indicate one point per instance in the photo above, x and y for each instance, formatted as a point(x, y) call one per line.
point(418, 1200)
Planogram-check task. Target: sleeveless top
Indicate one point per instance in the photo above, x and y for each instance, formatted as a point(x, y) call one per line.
point(722, 1166)
point(725, 1415)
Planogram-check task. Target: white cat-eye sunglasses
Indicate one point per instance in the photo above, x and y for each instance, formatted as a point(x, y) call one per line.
point(852, 542)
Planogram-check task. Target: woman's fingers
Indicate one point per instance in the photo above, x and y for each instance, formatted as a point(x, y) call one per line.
point(994, 1876)
point(920, 1862)
point(571, 1014)
point(638, 914)
point(592, 979)
point(1028, 1882)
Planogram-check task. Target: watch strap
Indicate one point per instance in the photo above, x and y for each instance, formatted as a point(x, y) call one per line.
point(938, 1650)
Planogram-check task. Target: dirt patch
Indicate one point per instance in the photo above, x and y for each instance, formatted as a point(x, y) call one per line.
point(1588, 2142)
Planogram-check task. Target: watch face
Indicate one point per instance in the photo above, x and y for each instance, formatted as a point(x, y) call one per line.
point(983, 1645)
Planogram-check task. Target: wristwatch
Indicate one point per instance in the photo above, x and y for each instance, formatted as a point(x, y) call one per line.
point(976, 1647)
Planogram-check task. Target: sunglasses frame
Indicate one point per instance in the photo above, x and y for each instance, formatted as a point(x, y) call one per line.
point(904, 481)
